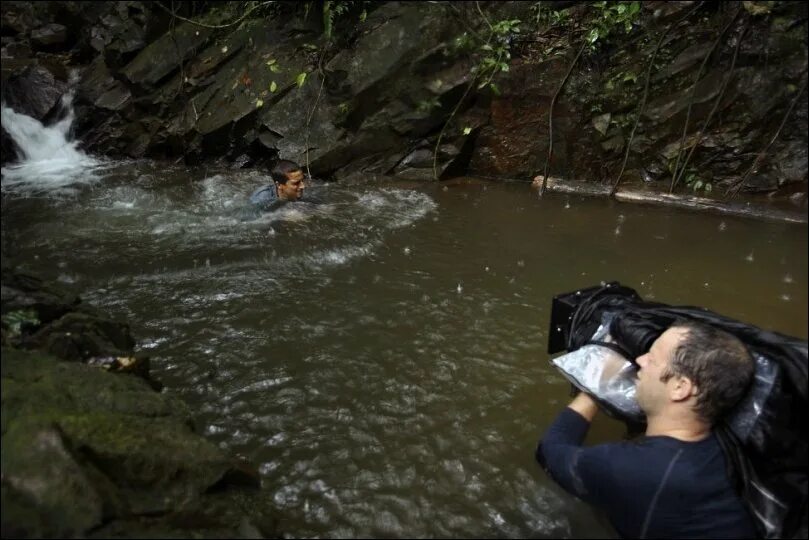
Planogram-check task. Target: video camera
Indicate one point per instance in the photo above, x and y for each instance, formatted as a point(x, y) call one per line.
point(572, 323)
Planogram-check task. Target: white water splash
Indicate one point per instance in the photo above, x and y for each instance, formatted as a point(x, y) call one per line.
point(50, 162)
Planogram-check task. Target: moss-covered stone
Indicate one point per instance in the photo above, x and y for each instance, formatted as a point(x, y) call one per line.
point(82, 447)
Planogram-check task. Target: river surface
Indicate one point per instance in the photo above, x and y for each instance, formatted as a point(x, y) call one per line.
point(381, 355)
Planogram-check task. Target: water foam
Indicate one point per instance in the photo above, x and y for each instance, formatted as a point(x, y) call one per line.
point(51, 163)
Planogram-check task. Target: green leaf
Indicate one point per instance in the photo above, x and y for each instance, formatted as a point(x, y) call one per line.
point(467, 130)
point(592, 37)
point(503, 66)
point(271, 61)
point(708, 188)
point(363, 15)
point(300, 79)
point(494, 88)
point(273, 86)
point(274, 68)
point(259, 103)
point(697, 185)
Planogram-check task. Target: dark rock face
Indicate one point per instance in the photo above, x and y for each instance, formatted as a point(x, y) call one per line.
point(271, 87)
point(34, 92)
point(49, 37)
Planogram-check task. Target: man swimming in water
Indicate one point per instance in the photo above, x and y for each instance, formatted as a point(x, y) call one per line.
point(287, 186)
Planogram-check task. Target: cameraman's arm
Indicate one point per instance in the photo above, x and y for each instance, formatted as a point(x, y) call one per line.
point(560, 448)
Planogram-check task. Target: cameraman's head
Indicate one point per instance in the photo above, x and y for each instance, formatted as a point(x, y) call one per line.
point(693, 372)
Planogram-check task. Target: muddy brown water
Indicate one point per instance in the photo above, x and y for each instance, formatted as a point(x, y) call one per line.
point(381, 355)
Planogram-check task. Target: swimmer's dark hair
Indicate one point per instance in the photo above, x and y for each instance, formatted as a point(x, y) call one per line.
point(282, 169)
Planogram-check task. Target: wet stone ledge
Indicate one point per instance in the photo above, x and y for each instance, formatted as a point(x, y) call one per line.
point(91, 449)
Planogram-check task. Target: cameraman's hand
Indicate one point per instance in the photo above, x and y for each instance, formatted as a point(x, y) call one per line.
point(585, 406)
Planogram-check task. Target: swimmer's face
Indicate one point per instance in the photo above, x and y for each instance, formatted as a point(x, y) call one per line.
point(293, 189)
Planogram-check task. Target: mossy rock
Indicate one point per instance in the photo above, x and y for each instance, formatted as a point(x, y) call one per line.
point(82, 447)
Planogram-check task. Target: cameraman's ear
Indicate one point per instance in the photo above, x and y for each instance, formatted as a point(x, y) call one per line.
point(682, 388)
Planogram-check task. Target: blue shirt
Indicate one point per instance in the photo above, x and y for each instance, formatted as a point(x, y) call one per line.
point(655, 487)
point(265, 197)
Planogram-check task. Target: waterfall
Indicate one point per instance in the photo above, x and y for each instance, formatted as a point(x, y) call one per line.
point(50, 162)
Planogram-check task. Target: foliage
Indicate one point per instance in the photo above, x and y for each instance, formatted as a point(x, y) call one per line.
point(17, 320)
point(693, 180)
point(492, 55)
point(547, 18)
point(334, 10)
point(275, 67)
point(427, 105)
point(612, 18)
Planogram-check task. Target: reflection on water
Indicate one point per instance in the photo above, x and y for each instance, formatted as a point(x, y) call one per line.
point(381, 355)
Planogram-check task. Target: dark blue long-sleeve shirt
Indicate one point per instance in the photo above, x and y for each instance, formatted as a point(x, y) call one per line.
point(656, 487)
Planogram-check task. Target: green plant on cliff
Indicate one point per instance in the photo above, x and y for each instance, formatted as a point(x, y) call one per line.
point(611, 18)
point(334, 10)
point(491, 57)
point(546, 17)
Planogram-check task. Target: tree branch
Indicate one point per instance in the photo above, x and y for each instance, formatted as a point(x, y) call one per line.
point(203, 25)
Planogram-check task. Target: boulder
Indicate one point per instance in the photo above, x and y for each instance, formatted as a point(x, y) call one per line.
point(82, 448)
point(34, 91)
point(165, 55)
point(49, 37)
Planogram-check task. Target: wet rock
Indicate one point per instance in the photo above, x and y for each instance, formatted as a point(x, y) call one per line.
point(165, 55)
point(614, 144)
point(16, 49)
point(321, 138)
point(115, 98)
point(49, 37)
point(791, 162)
point(80, 336)
point(45, 491)
point(81, 446)
point(22, 292)
point(601, 123)
point(517, 128)
point(18, 17)
point(664, 108)
point(379, 54)
point(418, 165)
point(34, 91)
point(8, 149)
point(688, 58)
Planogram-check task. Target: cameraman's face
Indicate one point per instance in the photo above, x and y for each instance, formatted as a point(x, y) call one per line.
point(651, 392)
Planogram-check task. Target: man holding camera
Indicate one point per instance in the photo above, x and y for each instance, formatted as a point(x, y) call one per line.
point(672, 482)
